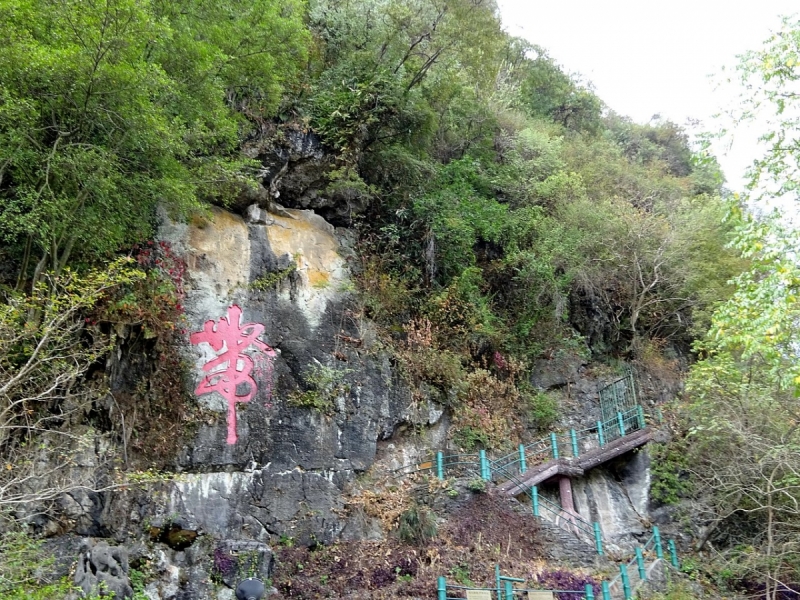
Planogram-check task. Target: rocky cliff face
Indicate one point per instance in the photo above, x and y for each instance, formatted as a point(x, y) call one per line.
point(295, 397)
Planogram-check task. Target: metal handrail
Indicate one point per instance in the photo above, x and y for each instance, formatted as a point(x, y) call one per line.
point(506, 592)
point(575, 521)
point(573, 443)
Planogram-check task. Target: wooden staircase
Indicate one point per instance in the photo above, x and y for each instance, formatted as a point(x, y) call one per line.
point(575, 466)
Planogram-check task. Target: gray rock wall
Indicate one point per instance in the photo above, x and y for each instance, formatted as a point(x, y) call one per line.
point(617, 496)
point(269, 308)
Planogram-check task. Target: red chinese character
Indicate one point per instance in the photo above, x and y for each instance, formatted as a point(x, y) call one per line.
point(231, 366)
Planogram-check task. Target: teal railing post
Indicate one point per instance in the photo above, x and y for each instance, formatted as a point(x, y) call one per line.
point(626, 583)
point(554, 445)
point(574, 438)
point(535, 500)
point(673, 554)
point(439, 465)
point(606, 591)
point(497, 581)
point(657, 541)
point(522, 464)
point(620, 424)
point(640, 564)
point(589, 592)
point(441, 589)
point(640, 416)
point(600, 437)
point(598, 538)
point(509, 590)
point(485, 471)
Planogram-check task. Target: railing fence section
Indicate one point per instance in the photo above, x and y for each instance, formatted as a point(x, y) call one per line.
point(618, 396)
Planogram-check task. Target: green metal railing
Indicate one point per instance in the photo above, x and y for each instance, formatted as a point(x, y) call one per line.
point(582, 529)
point(467, 465)
point(653, 546)
point(618, 396)
point(511, 467)
point(572, 443)
point(504, 589)
point(573, 522)
point(622, 415)
point(504, 585)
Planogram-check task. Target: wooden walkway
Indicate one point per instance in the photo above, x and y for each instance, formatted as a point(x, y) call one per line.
point(575, 467)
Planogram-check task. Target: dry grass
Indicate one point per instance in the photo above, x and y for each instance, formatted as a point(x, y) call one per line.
point(484, 531)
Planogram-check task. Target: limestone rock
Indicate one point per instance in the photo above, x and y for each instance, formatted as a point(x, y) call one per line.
point(556, 372)
point(103, 569)
point(297, 168)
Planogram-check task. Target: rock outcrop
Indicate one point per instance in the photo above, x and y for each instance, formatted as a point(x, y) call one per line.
point(293, 396)
point(297, 401)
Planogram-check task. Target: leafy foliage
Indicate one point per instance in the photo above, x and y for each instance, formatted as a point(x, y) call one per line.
point(111, 106)
point(670, 472)
point(26, 572)
point(768, 77)
point(741, 422)
point(325, 385)
point(542, 409)
point(510, 215)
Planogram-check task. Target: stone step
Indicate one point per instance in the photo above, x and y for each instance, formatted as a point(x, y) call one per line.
point(564, 546)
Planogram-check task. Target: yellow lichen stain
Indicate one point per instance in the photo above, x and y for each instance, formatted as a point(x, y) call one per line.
point(311, 244)
point(318, 279)
point(221, 248)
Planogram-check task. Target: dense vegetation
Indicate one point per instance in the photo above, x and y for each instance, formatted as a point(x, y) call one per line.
point(497, 183)
point(509, 213)
point(739, 423)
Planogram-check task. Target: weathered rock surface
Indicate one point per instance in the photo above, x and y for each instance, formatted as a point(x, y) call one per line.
point(297, 172)
point(312, 401)
point(556, 372)
point(616, 495)
point(103, 568)
point(285, 471)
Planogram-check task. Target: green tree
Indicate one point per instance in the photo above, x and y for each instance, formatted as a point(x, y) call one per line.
point(768, 78)
point(108, 107)
point(741, 416)
point(550, 92)
point(743, 420)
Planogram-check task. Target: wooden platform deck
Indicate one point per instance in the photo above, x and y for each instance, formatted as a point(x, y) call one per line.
point(575, 467)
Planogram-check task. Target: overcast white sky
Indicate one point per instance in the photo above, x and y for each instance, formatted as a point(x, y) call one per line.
point(654, 57)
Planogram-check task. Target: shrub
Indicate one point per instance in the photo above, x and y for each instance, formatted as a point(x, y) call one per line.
point(487, 416)
point(669, 470)
point(470, 438)
point(417, 526)
point(326, 384)
point(542, 409)
point(26, 573)
point(476, 485)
